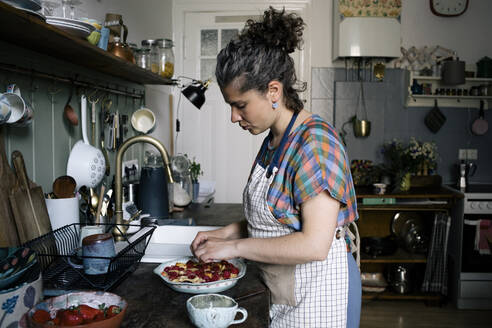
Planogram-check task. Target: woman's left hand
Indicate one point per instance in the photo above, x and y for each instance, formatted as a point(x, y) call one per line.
point(215, 249)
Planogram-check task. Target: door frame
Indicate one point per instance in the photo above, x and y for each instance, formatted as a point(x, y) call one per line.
point(182, 7)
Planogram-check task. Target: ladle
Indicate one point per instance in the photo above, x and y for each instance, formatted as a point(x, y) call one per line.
point(64, 187)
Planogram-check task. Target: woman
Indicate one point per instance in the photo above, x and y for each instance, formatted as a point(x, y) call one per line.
point(299, 197)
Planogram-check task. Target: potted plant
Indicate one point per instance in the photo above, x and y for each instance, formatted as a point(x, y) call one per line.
point(195, 172)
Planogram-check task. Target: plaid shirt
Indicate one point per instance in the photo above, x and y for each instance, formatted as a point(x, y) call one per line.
point(313, 160)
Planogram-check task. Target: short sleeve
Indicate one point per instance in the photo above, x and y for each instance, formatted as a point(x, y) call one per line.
point(321, 166)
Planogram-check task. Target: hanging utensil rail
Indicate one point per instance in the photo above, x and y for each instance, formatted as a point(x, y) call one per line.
point(34, 73)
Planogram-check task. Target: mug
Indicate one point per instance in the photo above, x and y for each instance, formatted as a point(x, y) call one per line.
point(21, 112)
point(88, 231)
point(97, 251)
point(214, 311)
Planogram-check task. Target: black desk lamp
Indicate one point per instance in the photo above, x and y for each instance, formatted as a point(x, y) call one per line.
point(195, 92)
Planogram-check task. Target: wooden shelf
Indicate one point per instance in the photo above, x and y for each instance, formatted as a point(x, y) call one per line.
point(400, 256)
point(388, 295)
point(404, 207)
point(30, 32)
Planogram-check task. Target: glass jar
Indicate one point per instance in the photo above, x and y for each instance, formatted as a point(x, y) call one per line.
point(142, 58)
point(154, 57)
point(166, 61)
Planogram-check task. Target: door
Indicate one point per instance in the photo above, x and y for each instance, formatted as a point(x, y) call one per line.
point(225, 151)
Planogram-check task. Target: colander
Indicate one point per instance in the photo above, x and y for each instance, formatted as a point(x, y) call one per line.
point(86, 164)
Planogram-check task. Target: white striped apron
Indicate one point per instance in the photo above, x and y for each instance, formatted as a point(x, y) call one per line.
point(304, 295)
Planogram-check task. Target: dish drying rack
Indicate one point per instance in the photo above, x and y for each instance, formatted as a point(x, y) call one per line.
point(56, 248)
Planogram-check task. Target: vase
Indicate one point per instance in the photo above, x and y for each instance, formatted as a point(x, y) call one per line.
point(196, 191)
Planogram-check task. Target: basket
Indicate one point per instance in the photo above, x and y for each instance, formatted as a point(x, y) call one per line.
point(58, 248)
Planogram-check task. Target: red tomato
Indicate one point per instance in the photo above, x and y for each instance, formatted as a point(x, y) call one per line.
point(41, 316)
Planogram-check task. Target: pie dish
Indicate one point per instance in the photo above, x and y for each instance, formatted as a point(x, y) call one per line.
point(203, 287)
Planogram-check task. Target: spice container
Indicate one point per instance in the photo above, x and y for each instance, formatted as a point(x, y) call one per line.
point(154, 57)
point(166, 58)
point(142, 57)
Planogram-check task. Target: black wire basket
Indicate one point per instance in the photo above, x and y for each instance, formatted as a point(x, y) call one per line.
point(58, 251)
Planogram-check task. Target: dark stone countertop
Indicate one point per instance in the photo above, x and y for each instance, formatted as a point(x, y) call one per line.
point(152, 304)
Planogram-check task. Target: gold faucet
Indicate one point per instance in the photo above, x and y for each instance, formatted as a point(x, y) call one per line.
point(120, 229)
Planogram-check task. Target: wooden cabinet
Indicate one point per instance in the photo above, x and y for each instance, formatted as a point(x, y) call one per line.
point(448, 100)
point(375, 221)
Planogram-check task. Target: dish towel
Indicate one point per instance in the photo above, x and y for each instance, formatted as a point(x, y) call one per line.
point(436, 271)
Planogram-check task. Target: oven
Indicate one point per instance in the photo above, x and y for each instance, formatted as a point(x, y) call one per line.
point(474, 285)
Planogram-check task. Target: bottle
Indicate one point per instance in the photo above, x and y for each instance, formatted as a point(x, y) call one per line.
point(166, 58)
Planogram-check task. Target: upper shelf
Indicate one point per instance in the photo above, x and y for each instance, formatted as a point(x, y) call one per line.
point(29, 32)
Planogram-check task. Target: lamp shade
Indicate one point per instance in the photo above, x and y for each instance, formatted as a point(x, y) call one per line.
point(195, 93)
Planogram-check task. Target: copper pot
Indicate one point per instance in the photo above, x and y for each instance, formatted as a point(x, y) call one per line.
point(122, 50)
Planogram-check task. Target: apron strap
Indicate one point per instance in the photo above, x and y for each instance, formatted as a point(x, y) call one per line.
point(278, 152)
point(354, 246)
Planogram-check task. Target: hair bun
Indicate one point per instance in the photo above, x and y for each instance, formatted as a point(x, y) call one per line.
point(277, 30)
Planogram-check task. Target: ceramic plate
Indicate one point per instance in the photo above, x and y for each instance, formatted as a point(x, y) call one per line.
point(25, 4)
point(70, 22)
point(205, 287)
point(12, 268)
point(73, 30)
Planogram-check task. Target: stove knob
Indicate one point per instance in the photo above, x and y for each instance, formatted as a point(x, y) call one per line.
point(481, 205)
point(489, 205)
point(473, 205)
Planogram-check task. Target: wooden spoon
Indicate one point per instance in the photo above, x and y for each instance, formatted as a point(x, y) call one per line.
point(64, 187)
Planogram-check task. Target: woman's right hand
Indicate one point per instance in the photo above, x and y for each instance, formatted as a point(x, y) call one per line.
point(203, 236)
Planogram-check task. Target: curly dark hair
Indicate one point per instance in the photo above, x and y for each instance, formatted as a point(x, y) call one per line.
point(260, 54)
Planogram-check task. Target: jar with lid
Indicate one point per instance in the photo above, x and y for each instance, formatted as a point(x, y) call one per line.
point(142, 57)
point(153, 54)
point(166, 54)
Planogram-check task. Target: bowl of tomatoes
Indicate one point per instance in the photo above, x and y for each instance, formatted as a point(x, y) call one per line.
point(87, 309)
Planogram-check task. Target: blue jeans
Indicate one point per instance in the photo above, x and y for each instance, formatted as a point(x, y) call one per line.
point(354, 293)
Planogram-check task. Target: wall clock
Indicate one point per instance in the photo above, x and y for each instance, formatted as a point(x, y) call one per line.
point(448, 8)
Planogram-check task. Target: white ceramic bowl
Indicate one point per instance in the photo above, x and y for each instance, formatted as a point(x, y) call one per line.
point(204, 287)
point(143, 120)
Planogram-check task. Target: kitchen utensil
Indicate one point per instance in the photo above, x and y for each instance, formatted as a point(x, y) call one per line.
point(74, 27)
point(63, 211)
point(100, 202)
point(64, 187)
point(362, 126)
point(143, 120)
point(21, 112)
point(214, 311)
point(121, 49)
point(14, 266)
point(205, 287)
point(453, 72)
point(8, 182)
point(69, 112)
point(434, 119)
point(28, 204)
point(86, 164)
point(399, 279)
point(480, 126)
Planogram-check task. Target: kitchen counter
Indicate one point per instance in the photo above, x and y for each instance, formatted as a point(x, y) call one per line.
point(152, 304)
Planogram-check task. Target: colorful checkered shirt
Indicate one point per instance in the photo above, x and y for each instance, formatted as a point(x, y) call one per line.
point(313, 160)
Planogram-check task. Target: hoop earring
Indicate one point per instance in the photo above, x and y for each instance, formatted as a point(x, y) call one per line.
point(275, 105)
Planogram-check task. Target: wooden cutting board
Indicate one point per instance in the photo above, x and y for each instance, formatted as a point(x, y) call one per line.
point(8, 181)
point(28, 204)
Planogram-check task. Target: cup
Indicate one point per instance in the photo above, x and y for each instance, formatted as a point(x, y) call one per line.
point(214, 311)
point(63, 211)
point(379, 188)
point(97, 251)
point(21, 112)
point(89, 230)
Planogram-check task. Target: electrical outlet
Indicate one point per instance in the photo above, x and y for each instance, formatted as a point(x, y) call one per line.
point(462, 154)
point(129, 164)
point(472, 154)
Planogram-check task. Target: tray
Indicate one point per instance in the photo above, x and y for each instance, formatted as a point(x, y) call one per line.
point(54, 250)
